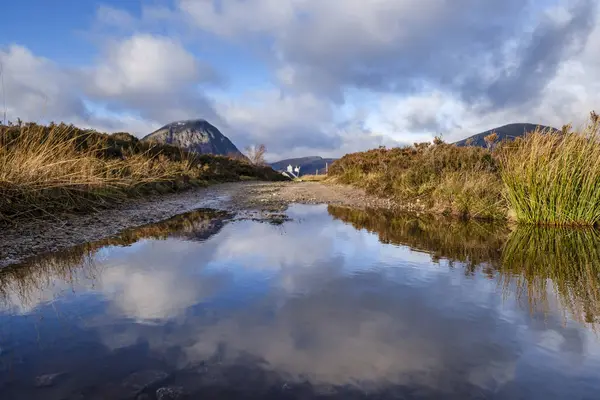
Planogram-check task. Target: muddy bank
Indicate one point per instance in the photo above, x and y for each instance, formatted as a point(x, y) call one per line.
point(36, 237)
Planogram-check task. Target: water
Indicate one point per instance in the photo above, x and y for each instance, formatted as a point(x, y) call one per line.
point(333, 304)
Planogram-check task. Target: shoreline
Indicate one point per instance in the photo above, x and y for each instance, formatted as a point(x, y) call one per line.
point(35, 237)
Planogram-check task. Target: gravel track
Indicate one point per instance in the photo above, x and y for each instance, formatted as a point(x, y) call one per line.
point(31, 238)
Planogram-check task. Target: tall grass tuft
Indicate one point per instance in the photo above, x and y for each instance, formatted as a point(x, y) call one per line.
point(43, 170)
point(554, 178)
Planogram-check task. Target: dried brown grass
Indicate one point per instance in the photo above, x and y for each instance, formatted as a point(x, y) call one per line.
point(60, 168)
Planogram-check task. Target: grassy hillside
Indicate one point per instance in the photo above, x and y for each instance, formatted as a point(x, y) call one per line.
point(546, 177)
point(442, 178)
point(61, 168)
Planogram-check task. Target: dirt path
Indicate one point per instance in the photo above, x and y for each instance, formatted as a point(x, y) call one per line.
point(36, 237)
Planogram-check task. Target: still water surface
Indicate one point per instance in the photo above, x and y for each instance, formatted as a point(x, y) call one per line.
point(335, 303)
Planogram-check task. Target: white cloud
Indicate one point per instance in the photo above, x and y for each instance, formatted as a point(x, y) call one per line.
point(36, 88)
point(451, 67)
point(379, 44)
point(153, 76)
point(455, 68)
point(282, 122)
point(240, 17)
point(145, 64)
point(296, 125)
point(417, 118)
point(114, 17)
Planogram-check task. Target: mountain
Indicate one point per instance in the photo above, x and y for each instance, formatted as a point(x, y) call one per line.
point(196, 135)
point(510, 131)
point(308, 165)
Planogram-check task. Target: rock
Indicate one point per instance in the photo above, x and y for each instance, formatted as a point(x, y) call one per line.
point(139, 381)
point(76, 396)
point(169, 393)
point(48, 379)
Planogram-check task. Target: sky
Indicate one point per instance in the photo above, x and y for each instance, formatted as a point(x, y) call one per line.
point(303, 77)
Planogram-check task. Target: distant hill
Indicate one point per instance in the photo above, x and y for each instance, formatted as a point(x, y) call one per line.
point(195, 135)
point(308, 165)
point(510, 131)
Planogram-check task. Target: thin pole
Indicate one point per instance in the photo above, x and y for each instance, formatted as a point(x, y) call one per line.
point(3, 90)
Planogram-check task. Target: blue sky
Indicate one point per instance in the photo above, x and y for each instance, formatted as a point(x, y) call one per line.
point(304, 77)
point(53, 29)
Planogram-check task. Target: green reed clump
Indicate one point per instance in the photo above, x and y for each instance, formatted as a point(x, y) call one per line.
point(554, 178)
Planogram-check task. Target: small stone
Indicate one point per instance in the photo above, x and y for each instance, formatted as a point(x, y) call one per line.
point(139, 381)
point(48, 379)
point(169, 393)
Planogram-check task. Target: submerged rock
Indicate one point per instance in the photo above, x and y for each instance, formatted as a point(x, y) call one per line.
point(170, 393)
point(48, 379)
point(139, 381)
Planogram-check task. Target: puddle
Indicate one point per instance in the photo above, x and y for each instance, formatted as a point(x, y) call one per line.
point(330, 303)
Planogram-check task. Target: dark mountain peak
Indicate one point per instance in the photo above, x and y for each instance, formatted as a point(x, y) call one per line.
point(195, 135)
point(509, 132)
point(308, 165)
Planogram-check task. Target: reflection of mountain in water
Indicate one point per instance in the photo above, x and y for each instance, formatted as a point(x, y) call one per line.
point(31, 277)
point(531, 261)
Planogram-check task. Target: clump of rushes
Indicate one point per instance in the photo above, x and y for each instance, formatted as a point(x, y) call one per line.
point(60, 168)
point(42, 170)
point(554, 178)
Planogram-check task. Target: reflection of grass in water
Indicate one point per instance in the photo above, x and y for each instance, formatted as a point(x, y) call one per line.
point(568, 259)
point(32, 278)
point(529, 261)
point(470, 242)
point(28, 282)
